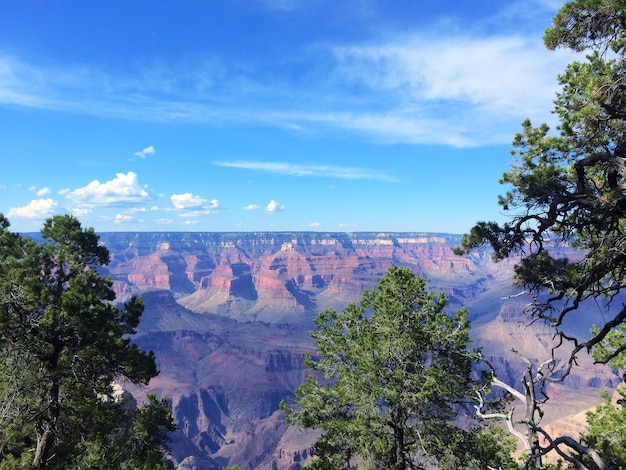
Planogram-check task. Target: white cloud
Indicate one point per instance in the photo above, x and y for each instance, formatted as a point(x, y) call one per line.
point(315, 224)
point(251, 207)
point(43, 192)
point(186, 200)
point(119, 218)
point(273, 206)
point(294, 169)
point(145, 152)
point(123, 189)
point(80, 211)
point(189, 201)
point(35, 209)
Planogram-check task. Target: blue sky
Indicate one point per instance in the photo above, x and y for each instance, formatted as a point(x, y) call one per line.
point(257, 115)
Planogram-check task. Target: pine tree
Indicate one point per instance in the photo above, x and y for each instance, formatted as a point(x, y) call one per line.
point(63, 342)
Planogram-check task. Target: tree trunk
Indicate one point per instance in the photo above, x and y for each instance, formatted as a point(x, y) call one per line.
point(44, 446)
point(400, 448)
point(398, 444)
point(531, 425)
point(47, 429)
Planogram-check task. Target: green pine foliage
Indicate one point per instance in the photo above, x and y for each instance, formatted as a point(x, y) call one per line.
point(568, 186)
point(63, 341)
point(606, 430)
point(391, 375)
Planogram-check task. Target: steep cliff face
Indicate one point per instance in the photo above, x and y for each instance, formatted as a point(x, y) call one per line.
point(228, 316)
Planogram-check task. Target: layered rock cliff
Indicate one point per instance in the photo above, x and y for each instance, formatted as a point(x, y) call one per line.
point(228, 316)
point(286, 277)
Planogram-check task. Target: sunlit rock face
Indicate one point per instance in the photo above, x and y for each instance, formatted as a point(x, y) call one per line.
point(283, 277)
point(229, 314)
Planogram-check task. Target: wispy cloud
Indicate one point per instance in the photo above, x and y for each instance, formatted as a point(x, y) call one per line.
point(514, 74)
point(294, 169)
point(194, 214)
point(457, 88)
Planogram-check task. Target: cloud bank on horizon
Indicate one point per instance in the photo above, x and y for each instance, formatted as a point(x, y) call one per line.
point(343, 112)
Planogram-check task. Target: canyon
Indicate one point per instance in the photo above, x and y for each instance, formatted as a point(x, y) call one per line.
point(229, 316)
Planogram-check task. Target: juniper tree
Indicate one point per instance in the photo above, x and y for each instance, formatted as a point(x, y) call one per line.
point(391, 375)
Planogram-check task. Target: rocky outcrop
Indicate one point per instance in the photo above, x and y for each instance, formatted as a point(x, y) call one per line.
point(120, 396)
